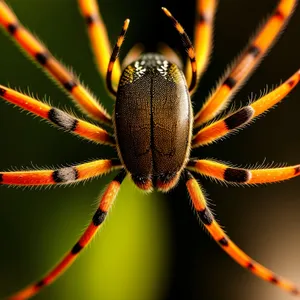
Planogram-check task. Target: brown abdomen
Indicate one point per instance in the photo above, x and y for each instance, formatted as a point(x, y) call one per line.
point(153, 121)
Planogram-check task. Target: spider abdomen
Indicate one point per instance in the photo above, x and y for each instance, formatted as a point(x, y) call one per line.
point(153, 121)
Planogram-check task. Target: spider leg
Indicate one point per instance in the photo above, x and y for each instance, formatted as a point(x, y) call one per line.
point(98, 218)
point(227, 173)
point(114, 57)
point(65, 175)
point(246, 64)
point(243, 116)
point(203, 35)
point(98, 38)
point(188, 47)
point(217, 233)
point(36, 50)
point(57, 117)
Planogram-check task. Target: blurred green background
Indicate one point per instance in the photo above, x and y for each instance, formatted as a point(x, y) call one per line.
point(151, 246)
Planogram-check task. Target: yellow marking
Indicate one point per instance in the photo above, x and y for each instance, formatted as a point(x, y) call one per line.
point(120, 41)
point(191, 52)
point(269, 100)
point(269, 33)
point(194, 66)
point(166, 12)
point(210, 168)
point(110, 66)
point(28, 42)
point(126, 24)
point(174, 73)
point(84, 99)
point(286, 6)
point(6, 15)
point(215, 230)
point(179, 28)
point(127, 76)
point(210, 107)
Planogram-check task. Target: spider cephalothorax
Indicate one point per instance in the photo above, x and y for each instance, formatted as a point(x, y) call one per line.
point(153, 121)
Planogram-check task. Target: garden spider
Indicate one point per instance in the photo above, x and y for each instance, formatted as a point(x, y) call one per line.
point(57, 117)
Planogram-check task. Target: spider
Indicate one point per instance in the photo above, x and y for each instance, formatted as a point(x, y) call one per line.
point(148, 154)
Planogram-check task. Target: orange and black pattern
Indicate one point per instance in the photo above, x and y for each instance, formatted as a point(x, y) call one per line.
point(35, 49)
point(57, 117)
point(243, 116)
point(218, 234)
point(65, 175)
point(247, 63)
point(114, 57)
point(229, 174)
point(208, 133)
point(204, 19)
point(99, 38)
point(106, 201)
point(188, 46)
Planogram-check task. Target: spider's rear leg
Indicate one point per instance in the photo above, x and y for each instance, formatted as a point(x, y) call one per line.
point(35, 49)
point(247, 63)
point(105, 204)
point(243, 116)
point(65, 175)
point(217, 233)
point(227, 173)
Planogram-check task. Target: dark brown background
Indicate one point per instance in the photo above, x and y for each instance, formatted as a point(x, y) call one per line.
point(38, 226)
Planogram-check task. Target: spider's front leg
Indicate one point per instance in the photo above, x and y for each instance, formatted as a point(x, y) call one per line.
point(218, 234)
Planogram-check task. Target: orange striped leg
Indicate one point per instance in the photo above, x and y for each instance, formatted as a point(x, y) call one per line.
point(247, 62)
point(64, 175)
point(244, 115)
point(114, 57)
point(98, 218)
point(203, 35)
point(36, 50)
point(133, 55)
point(188, 47)
point(57, 117)
point(99, 38)
point(227, 245)
point(230, 174)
